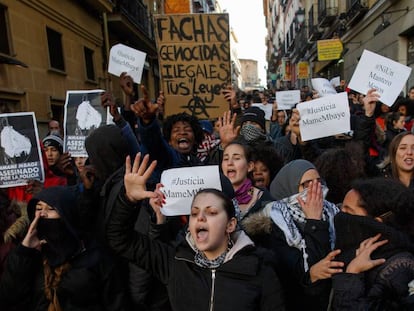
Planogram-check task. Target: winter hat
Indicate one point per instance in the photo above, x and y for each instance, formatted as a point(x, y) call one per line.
point(286, 182)
point(254, 114)
point(206, 126)
point(53, 140)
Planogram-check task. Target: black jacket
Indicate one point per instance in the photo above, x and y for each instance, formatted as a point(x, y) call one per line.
point(382, 288)
point(243, 283)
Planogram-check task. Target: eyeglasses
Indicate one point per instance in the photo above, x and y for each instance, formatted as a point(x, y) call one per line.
point(306, 183)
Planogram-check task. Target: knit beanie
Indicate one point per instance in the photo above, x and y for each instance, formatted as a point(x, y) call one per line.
point(254, 114)
point(53, 140)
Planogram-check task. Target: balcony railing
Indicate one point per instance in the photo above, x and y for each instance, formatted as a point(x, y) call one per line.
point(327, 12)
point(137, 13)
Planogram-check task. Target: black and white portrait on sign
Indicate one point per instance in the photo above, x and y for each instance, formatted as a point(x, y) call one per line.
point(83, 114)
point(20, 155)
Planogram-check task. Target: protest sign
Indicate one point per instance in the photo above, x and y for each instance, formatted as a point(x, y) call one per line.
point(20, 155)
point(125, 59)
point(83, 113)
point(335, 81)
point(287, 99)
point(266, 108)
point(182, 184)
point(323, 86)
point(388, 77)
point(194, 58)
point(325, 116)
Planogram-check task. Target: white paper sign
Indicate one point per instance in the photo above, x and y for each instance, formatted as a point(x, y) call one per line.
point(125, 59)
point(182, 184)
point(287, 99)
point(266, 108)
point(381, 73)
point(324, 116)
point(335, 81)
point(323, 86)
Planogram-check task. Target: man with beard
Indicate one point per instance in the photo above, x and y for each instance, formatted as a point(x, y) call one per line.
point(55, 267)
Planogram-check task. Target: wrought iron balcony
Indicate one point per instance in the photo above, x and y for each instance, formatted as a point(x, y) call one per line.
point(356, 9)
point(137, 13)
point(327, 12)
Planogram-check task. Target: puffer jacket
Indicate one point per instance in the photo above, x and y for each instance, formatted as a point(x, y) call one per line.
point(243, 282)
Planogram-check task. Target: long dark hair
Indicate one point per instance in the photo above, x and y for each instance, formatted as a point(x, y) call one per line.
point(392, 151)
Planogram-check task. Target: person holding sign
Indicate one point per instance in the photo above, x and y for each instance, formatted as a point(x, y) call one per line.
point(215, 267)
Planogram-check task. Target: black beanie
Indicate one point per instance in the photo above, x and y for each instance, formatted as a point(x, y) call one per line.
point(254, 114)
point(53, 140)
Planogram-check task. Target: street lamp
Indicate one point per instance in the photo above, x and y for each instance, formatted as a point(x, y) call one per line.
point(300, 15)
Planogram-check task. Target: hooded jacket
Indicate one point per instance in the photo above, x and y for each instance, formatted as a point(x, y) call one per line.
point(242, 282)
point(90, 283)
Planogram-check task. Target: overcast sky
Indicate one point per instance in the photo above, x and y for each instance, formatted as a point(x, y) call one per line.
point(248, 22)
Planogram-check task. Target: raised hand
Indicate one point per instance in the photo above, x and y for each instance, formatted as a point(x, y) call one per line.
point(157, 202)
point(363, 262)
point(144, 108)
point(31, 239)
point(135, 178)
point(227, 130)
point(107, 100)
point(230, 95)
point(370, 101)
point(313, 206)
point(326, 267)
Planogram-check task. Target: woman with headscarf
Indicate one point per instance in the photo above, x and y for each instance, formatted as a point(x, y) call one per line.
point(302, 236)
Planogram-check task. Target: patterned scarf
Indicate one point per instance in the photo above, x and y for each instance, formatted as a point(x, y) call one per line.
point(287, 212)
point(243, 194)
point(202, 261)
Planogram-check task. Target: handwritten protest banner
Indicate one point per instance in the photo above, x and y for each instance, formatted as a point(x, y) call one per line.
point(125, 59)
point(324, 116)
point(181, 184)
point(287, 99)
point(194, 57)
point(388, 77)
point(20, 155)
point(82, 114)
point(323, 86)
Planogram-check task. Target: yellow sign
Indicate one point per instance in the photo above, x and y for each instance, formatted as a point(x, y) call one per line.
point(329, 49)
point(303, 70)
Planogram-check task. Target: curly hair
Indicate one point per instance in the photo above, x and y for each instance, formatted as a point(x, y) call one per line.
point(381, 196)
point(337, 167)
point(269, 156)
point(183, 117)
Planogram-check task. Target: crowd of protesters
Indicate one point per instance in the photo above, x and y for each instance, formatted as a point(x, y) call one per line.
point(325, 224)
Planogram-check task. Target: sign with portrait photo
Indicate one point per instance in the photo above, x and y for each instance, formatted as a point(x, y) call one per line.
point(20, 155)
point(83, 113)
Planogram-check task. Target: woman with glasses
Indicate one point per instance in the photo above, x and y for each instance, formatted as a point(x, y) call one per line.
point(302, 235)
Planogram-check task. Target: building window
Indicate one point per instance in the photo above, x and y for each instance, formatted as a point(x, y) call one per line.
point(4, 33)
point(90, 71)
point(54, 43)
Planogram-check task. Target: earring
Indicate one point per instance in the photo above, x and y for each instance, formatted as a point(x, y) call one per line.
point(230, 241)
